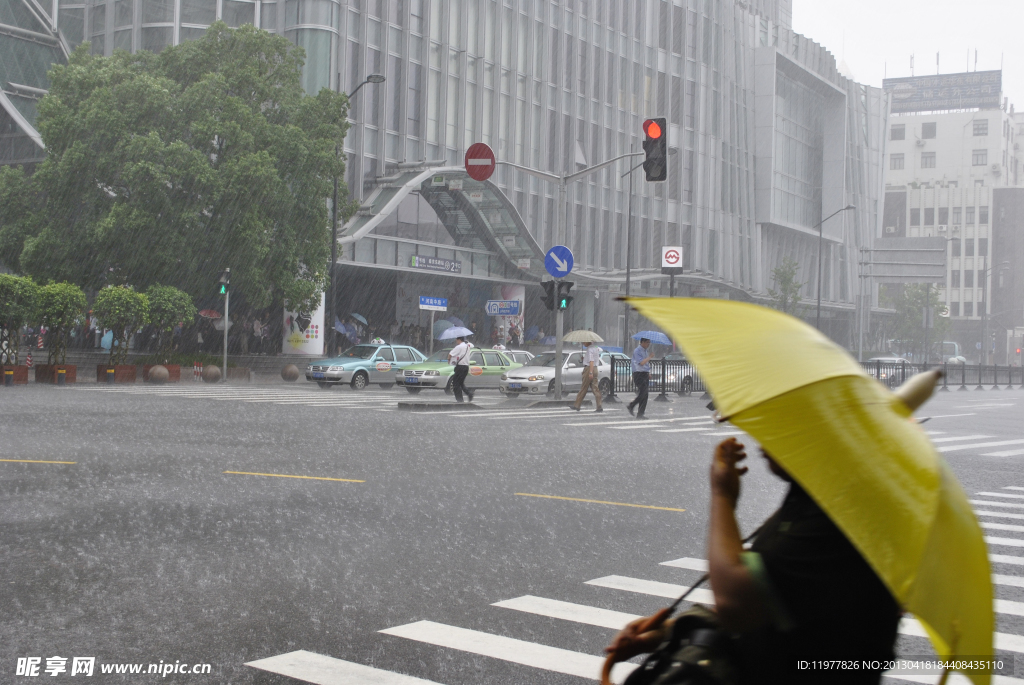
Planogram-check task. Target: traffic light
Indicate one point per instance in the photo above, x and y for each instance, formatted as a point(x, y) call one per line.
point(225, 281)
point(563, 294)
point(549, 294)
point(656, 149)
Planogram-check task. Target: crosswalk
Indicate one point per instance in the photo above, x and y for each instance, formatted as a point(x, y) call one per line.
point(979, 443)
point(1008, 574)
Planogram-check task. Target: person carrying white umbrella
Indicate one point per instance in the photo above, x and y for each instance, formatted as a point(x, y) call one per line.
point(459, 358)
point(591, 359)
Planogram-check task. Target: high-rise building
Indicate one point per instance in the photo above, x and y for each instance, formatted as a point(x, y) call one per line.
point(766, 139)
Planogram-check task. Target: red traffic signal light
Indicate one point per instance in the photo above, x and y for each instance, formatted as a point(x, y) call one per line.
point(652, 129)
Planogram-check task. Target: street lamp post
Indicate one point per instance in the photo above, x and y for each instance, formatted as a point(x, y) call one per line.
point(331, 315)
point(984, 308)
point(821, 234)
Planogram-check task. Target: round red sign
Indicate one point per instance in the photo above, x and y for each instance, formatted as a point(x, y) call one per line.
point(479, 161)
point(672, 257)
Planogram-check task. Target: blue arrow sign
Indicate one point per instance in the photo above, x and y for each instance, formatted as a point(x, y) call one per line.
point(558, 261)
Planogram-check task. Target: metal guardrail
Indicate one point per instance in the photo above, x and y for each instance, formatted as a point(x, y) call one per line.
point(666, 376)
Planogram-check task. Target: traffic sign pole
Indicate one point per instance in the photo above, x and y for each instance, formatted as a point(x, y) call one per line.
point(559, 262)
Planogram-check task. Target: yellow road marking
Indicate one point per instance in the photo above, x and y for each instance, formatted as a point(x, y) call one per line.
point(39, 461)
point(281, 475)
point(597, 501)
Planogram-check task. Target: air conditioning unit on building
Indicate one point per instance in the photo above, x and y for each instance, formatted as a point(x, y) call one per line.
point(996, 169)
point(890, 229)
point(920, 143)
point(940, 229)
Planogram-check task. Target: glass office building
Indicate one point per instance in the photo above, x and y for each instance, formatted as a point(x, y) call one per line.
point(767, 136)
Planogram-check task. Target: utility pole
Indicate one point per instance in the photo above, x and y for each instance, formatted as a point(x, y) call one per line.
point(225, 287)
point(821, 236)
point(562, 182)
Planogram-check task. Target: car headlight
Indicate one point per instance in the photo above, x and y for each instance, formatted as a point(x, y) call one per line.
point(536, 378)
point(336, 368)
point(504, 376)
point(431, 373)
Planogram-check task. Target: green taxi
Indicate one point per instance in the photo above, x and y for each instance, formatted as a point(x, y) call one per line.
point(485, 370)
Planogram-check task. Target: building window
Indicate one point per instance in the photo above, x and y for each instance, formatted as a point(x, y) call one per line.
point(898, 132)
point(955, 279)
point(970, 216)
point(956, 216)
point(928, 130)
point(943, 216)
point(927, 160)
point(979, 158)
point(981, 280)
point(982, 247)
point(981, 127)
point(969, 247)
point(956, 246)
point(968, 279)
point(968, 309)
point(896, 162)
point(929, 216)
point(915, 217)
point(954, 309)
point(983, 215)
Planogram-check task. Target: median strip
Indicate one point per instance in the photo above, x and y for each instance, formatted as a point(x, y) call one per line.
point(38, 461)
point(282, 475)
point(597, 501)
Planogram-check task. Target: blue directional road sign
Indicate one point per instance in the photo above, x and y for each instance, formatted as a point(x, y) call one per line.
point(558, 261)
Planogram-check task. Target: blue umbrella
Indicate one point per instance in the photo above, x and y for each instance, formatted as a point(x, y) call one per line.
point(532, 332)
point(456, 321)
point(654, 336)
point(547, 340)
point(441, 326)
point(358, 317)
point(454, 332)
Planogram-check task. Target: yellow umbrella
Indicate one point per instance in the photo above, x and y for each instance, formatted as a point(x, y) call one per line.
point(847, 441)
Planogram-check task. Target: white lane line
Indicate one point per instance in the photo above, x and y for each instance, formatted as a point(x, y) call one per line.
point(954, 679)
point(1002, 641)
point(325, 670)
point(1012, 505)
point(1002, 526)
point(635, 427)
point(1007, 453)
point(965, 437)
point(984, 406)
point(1000, 514)
point(701, 419)
point(1004, 542)
point(509, 649)
point(728, 433)
point(688, 562)
point(950, 416)
point(681, 430)
point(1006, 559)
point(1000, 579)
point(999, 494)
point(999, 443)
point(653, 587)
point(935, 432)
point(567, 611)
point(1012, 487)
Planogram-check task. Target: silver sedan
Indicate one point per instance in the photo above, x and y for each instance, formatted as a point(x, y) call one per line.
point(538, 377)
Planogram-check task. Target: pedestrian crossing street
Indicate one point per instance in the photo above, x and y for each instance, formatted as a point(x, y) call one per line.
point(993, 509)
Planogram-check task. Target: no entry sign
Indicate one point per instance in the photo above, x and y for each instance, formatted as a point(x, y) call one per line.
point(479, 161)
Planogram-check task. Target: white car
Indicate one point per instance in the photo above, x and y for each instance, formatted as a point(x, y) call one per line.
point(891, 371)
point(538, 376)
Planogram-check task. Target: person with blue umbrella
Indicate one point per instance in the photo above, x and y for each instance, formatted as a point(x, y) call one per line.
point(641, 365)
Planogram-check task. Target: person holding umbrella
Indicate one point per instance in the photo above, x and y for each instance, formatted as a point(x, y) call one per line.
point(459, 358)
point(591, 359)
point(641, 364)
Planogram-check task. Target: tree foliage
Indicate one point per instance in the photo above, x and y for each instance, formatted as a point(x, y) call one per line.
point(787, 297)
point(123, 311)
point(17, 308)
point(168, 168)
point(908, 329)
point(168, 307)
point(61, 307)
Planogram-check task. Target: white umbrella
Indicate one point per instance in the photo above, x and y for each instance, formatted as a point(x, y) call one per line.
point(582, 337)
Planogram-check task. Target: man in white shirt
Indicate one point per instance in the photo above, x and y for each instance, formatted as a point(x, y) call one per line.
point(591, 360)
point(459, 356)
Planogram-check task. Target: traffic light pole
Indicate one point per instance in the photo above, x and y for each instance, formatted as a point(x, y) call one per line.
point(227, 301)
point(562, 182)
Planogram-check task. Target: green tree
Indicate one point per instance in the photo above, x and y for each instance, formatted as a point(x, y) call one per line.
point(60, 307)
point(910, 302)
point(168, 307)
point(17, 307)
point(123, 311)
point(787, 297)
point(168, 168)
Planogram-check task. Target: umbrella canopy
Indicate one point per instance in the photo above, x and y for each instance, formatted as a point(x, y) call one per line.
point(454, 332)
point(547, 340)
point(218, 325)
point(655, 337)
point(441, 326)
point(456, 321)
point(359, 317)
point(532, 332)
point(210, 314)
point(582, 337)
point(819, 414)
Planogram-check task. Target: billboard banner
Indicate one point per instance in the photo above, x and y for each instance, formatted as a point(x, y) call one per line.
point(969, 90)
point(303, 332)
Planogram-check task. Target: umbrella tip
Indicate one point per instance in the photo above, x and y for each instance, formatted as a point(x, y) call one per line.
point(918, 388)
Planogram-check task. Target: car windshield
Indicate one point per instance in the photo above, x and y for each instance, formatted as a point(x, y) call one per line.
point(360, 352)
point(546, 359)
point(439, 356)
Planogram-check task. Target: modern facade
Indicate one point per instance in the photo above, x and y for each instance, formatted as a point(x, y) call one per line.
point(949, 174)
point(767, 138)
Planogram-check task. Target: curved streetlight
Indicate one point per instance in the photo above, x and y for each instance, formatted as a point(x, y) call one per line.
point(333, 337)
point(821, 231)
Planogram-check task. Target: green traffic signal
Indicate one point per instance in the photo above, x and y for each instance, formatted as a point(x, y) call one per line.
point(223, 289)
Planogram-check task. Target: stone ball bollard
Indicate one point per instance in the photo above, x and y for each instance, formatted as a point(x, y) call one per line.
point(290, 373)
point(158, 374)
point(211, 373)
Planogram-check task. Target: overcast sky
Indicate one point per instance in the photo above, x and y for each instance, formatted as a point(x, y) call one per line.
point(880, 35)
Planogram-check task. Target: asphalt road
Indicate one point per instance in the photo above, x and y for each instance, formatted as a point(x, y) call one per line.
point(158, 541)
